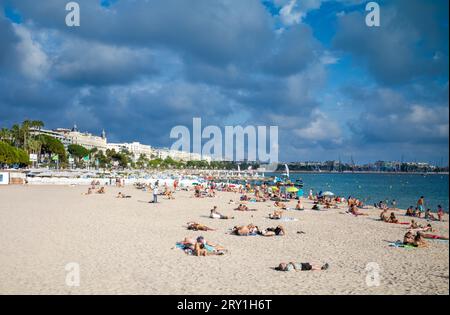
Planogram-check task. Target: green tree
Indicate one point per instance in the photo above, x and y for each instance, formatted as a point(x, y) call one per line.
point(51, 145)
point(78, 151)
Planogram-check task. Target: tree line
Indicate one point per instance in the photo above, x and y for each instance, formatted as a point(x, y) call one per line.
point(18, 142)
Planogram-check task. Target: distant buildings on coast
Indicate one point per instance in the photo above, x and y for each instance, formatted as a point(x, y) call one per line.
point(90, 141)
point(378, 166)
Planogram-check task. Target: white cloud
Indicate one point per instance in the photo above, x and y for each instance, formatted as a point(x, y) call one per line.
point(33, 61)
point(321, 129)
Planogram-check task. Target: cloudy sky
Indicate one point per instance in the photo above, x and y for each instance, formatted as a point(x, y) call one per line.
point(137, 68)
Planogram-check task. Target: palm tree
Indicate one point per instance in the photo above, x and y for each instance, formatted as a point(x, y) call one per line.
point(5, 135)
point(16, 135)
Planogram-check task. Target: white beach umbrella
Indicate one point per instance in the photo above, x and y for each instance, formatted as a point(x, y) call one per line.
point(327, 194)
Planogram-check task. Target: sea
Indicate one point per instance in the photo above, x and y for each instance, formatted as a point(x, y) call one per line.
point(406, 189)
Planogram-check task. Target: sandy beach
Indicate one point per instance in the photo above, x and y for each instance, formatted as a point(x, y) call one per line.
point(127, 246)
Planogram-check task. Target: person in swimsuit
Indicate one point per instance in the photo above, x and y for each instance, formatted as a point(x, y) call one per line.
point(410, 212)
point(278, 231)
point(194, 226)
point(216, 215)
point(354, 210)
point(101, 190)
point(299, 205)
point(409, 238)
point(120, 195)
point(204, 248)
point(420, 205)
point(245, 230)
point(440, 213)
point(242, 207)
point(384, 216)
point(293, 266)
point(276, 215)
point(419, 241)
point(392, 218)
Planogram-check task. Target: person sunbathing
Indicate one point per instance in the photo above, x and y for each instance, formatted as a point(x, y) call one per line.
point(384, 216)
point(101, 190)
point(242, 207)
point(418, 227)
point(430, 216)
point(280, 205)
point(419, 241)
point(245, 230)
point(276, 215)
point(120, 195)
point(89, 192)
point(409, 238)
point(216, 215)
point(293, 266)
point(277, 231)
point(392, 218)
point(440, 213)
point(410, 212)
point(299, 205)
point(168, 193)
point(354, 210)
point(194, 226)
point(204, 248)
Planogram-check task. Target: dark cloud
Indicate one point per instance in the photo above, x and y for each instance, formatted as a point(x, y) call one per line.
point(407, 46)
point(138, 68)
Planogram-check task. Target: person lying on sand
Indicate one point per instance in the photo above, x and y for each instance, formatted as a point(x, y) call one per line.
point(245, 230)
point(242, 207)
point(293, 266)
point(277, 231)
point(194, 226)
point(120, 195)
point(280, 205)
point(200, 247)
point(418, 227)
point(101, 190)
point(299, 205)
point(216, 215)
point(276, 215)
point(89, 192)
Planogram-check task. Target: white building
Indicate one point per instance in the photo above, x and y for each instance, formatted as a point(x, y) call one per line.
point(135, 148)
point(73, 136)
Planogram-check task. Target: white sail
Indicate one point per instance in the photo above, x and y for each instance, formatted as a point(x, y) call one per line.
point(287, 170)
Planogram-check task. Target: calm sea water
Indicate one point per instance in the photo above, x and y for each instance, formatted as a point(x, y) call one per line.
point(405, 188)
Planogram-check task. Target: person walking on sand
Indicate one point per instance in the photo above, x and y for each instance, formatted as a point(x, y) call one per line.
point(155, 193)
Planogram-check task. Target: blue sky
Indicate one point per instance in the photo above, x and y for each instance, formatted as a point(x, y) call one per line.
point(335, 87)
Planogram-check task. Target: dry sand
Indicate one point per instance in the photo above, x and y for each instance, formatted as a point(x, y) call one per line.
point(126, 246)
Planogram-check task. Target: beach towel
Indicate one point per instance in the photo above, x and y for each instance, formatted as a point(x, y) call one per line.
point(400, 244)
point(434, 237)
point(287, 219)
